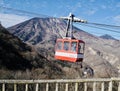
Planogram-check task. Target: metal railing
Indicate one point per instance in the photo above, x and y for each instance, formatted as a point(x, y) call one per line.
point(94, 84)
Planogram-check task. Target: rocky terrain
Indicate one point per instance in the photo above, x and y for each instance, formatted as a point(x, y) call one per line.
point(21, 61)
point(100, 54)
point(106, 36)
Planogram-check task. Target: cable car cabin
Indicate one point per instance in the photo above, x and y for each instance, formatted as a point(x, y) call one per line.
point(68, 48)
point(71, 50)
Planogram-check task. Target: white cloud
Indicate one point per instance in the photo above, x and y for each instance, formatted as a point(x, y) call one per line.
point(117, 19)
point(44, 4)
point(8, 20)
point(103, 6)
point(92, 0)
point(118, 4)
point(78, 5)
point(1, 2)
point(90, 12)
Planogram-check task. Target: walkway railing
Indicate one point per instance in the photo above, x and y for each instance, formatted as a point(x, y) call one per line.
point(94, 84)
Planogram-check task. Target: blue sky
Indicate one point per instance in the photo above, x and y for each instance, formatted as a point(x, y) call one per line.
point(98, 11)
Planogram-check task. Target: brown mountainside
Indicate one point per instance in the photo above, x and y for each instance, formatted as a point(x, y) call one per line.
point(20, 61)
point(42, 33)
point(17, 57)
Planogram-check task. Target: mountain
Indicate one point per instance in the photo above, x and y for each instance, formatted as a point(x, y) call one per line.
point(17, 57)
point(14, 54)
point(43, 32)
point(38, 30)
point(106, 36)
point(19, 60)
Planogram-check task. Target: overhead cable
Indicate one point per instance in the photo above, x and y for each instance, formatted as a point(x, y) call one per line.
point(25, 12)
point(89, 24)
point(104, 25)
point(99, 27)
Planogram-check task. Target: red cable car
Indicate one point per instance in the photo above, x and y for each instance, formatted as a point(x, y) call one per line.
point(69, 48)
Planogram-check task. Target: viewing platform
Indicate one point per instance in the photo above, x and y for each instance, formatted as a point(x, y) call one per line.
point(92, 84)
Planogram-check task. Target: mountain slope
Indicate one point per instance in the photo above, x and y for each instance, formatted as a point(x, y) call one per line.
point(20, 61)
point(106, 36)
point(43, 32)
point(16, 55)
point(37, 30)
point(10, 51)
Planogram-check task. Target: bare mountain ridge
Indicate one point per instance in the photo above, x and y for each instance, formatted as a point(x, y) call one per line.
point(106, 36)
point(39, 29)
point(20, 61)
point(17, 57)
point(43, 32)
point(11, 44)
point(46, 30)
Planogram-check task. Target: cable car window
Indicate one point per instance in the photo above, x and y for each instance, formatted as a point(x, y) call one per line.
point(59, 45)
point(73, 46)
point(81, 48)
point(66, 45)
